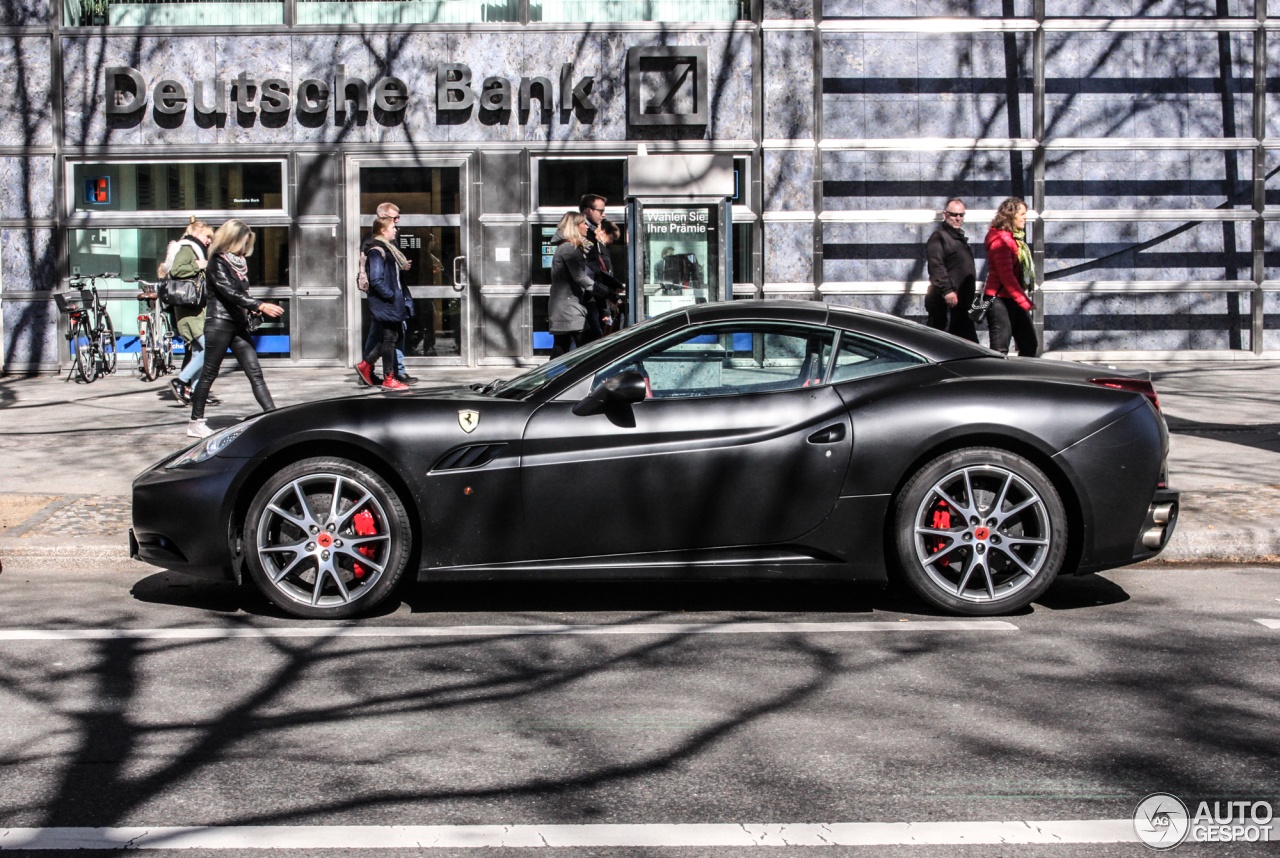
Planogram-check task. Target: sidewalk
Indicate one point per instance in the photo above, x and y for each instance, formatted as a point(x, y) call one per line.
point(70, 452)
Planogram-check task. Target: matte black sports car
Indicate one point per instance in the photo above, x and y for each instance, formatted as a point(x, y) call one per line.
point(747, 439)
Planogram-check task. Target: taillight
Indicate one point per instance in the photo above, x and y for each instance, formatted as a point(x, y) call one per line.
point(1136, 385)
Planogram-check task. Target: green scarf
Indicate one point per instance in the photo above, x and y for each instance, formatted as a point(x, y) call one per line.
point(401, 261)
point(1027, 268)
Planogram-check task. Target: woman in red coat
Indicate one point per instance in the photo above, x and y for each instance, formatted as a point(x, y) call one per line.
point(1010, 273)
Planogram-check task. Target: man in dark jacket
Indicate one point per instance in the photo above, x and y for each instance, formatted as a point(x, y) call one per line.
point(592, 207)
point(951, 275)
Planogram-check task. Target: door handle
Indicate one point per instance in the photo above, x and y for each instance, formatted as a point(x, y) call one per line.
point(829, 435)
point(459, 267)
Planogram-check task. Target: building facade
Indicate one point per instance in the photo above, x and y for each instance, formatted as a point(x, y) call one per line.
point(1142, 133)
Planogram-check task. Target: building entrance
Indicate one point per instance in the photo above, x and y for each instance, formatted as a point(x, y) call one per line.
point(432, 236)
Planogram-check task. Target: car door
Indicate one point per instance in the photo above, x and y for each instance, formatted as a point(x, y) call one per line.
point(740, 443)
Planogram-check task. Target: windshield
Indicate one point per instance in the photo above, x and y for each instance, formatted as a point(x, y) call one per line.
point(535, 379)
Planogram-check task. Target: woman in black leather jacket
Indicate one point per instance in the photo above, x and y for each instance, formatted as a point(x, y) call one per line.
point(227, 324)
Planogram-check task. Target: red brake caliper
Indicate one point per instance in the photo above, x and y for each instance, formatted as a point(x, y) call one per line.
point(364, 526)
point(941, 521)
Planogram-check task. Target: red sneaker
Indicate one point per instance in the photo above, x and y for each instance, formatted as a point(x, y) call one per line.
point(364, 373)
point(390, 383)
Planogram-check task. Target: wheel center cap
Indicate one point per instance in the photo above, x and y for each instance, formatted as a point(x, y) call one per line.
point(325, 540)
point(981, 533)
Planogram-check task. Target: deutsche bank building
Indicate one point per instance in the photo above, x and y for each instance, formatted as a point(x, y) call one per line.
point(751, 149)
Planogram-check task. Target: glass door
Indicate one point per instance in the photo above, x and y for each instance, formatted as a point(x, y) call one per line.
point(432, 236)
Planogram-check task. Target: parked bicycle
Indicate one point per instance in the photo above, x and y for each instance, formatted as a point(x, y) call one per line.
point(155, 332)
point(92, 339)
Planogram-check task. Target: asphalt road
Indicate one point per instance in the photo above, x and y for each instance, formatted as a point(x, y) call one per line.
point(1148, 679)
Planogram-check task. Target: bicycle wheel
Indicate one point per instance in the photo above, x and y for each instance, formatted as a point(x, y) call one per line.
point(166, 345)
point(107, 344)
point(147, 355)
point(82, 363)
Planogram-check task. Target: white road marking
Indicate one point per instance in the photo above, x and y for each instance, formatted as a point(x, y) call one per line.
point(569, 836)
point(1271, 624)
point(213, 632)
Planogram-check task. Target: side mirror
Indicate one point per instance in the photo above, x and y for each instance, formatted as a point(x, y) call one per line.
point(624, 388)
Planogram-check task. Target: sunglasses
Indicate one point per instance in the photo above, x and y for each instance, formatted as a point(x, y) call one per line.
point(954, 214)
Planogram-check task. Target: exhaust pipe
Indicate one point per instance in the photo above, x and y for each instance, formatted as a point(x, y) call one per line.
point(1153, 539)
point(1161, 513)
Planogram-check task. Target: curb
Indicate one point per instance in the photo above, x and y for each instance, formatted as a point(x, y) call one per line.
point(1230, 544)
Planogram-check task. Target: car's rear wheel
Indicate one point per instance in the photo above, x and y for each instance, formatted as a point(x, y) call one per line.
point(980, 531)
point(327, 538)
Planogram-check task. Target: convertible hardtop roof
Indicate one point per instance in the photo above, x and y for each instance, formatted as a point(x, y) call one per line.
point(934, 345)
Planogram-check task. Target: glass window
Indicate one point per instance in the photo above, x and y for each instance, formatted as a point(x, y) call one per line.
point(414, 190)
point(743, 357)
point(742, 271)
point(178, 186)
point(271, 340)
point(171, 13)
point(138, 252)
point(672, 11)
point(564, 181)
point(543, 251)
point(859, 357)
point(408, 12)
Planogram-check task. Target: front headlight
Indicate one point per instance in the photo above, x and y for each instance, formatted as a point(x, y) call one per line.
point(213, 445)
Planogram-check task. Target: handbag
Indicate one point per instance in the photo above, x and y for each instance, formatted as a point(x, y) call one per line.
point(253, 320)
point(183, 293)
point(981, 303)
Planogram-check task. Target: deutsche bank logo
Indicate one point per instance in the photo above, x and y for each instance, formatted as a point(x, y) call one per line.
point(667, 85)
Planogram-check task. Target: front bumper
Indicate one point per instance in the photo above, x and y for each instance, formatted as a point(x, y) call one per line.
point(182, 517)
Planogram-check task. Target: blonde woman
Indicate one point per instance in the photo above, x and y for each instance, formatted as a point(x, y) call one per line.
point(227, 323)
point(571, 283)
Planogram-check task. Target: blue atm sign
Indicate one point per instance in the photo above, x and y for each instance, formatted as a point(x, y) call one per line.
point(97, 191)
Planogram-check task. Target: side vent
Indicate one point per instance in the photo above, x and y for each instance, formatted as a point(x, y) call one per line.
point(474, 456)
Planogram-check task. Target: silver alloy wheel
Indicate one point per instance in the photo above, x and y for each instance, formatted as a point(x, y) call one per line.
point(982, 533)
point(328, 558)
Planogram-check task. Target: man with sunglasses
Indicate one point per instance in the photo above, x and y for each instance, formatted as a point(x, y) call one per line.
point(952, 274)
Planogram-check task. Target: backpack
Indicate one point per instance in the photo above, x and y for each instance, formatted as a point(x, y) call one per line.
point(362, 273)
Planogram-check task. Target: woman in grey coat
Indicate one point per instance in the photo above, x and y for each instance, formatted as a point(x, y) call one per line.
point(571, 283)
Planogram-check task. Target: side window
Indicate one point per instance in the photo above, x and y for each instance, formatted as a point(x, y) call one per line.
point(859, 357)
point(720, 360)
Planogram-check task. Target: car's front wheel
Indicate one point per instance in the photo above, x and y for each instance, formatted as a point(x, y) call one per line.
point(326, 538)
point(980, 531)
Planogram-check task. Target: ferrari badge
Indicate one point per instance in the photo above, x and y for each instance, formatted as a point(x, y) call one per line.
point(468, 420)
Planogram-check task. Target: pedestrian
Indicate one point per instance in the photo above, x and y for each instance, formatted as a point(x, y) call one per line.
point(228, 324)
point(951, 274)
point(608, 289)
point(1010, 275)
point(189, 264)
point(571, 283)
point(374, 339)
point(389, 303)
point(592, 207)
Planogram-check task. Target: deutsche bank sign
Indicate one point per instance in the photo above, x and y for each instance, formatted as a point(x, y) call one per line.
point(667, 85)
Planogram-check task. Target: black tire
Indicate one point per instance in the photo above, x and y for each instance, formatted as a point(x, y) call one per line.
point(147, 357)
point(357, 570)
point(107, 345)
point(980, 532)
point(83, 363)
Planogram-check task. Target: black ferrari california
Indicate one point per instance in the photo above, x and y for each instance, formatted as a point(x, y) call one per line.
point(745, 439)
